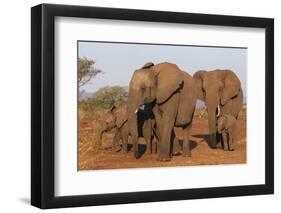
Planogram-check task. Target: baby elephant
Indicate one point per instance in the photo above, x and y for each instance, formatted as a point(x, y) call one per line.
point(226, 126)
point(117, 118)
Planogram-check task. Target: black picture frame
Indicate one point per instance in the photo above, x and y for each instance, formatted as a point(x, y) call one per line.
point(43, 105)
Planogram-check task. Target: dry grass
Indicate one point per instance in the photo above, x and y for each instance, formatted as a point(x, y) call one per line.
point(89, 128)
point(201, 113)
point(91, 151)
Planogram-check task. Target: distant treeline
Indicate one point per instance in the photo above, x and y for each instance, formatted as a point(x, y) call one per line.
point(104, 98)
point(108, 96)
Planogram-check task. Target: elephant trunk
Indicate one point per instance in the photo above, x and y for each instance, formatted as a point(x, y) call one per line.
point(212, 118)
point(98, 140)
point(132, 110)
point(134, 134)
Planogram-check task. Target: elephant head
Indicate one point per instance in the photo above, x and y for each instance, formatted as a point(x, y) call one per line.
point(149, 85)
point(216, 88)
point(142, 88)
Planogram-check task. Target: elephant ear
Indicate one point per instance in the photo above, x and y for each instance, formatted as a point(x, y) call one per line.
point(168, 80)
point(199, 78)
point(147, 65)
point(231, 88)
point(120, 116)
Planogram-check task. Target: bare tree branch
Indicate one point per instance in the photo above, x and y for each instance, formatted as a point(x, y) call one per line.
point(86, 71)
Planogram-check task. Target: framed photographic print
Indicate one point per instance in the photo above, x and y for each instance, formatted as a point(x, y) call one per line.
point(139, 106)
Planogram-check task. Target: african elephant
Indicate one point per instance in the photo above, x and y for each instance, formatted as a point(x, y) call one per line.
point(222, 93)
point(117, 118)
point(226, 126)
point(170, 94)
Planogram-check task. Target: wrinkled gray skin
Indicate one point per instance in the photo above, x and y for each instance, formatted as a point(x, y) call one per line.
point(117, 118)
point(171, 94)
point(226, 125)
point(221, 91)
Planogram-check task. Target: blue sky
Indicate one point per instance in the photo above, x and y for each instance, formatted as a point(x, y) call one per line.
point(119, 60)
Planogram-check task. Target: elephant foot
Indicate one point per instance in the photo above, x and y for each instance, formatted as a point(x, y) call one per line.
point(176, 153)
point(188, 154)
point(116, 149)
point(213, 147)
point(231, 147)
point(124, 150)
point(137, 155)
point(164, 158)
point(148, 152)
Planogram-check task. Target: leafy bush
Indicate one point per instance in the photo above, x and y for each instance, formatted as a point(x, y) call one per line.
point(104, 98)
point(201, 113)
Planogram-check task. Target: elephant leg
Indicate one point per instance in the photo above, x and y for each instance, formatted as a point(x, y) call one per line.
point(147, 132)
point(225, 140)
point(154, 145)
point(165, 143)
point(176, 145)
point(186, 146)
point(166, 126)
point(154, 141)
point(133, 131)
point(135, 139)
point(157, 134)
point(115, 142)
point(124, 140)
point(231, 141)
point(158, 118)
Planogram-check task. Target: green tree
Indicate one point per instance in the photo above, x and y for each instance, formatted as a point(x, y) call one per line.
point(86, 70)
point(108, 96)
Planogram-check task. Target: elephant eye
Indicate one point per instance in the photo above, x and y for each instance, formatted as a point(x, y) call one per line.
point(220, 91)
point(142, 89)
point(204, 92)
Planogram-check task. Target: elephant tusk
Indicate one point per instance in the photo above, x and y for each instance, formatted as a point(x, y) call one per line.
point(136, 111)
point(219, 111)
point(141, 107)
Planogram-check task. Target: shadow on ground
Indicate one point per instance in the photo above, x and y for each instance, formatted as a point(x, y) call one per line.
point(205, 138)
point(142, 147)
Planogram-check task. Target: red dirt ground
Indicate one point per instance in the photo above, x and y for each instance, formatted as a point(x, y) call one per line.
point(105, 158)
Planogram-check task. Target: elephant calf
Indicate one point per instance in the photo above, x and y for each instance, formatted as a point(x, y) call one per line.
point(117, 118)
point(226, 126)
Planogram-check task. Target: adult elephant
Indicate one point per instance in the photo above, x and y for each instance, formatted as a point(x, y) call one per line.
point(172, 95)
point(222, 93)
